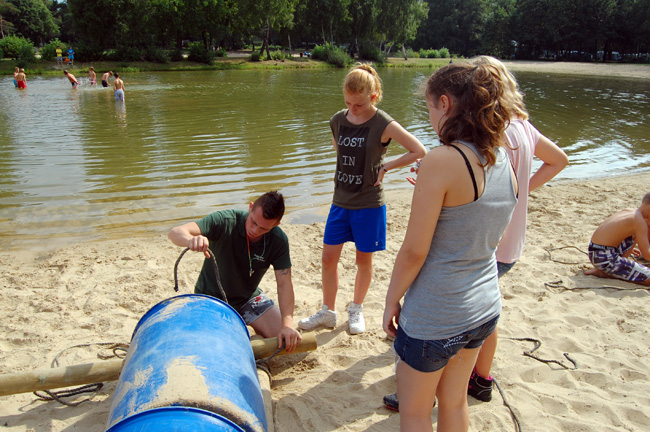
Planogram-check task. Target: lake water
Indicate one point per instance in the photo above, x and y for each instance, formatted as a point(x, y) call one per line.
point(77, 166)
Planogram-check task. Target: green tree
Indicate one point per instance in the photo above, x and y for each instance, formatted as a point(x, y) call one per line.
point(33, 20)
point(455, 24)
point(6, 8)
point(497, 36)
point(399, 20)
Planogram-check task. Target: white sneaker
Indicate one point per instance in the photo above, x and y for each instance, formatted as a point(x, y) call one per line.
point(356, 321)
point(323, 317)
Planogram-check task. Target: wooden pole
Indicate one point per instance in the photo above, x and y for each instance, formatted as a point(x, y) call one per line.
point(109, 370)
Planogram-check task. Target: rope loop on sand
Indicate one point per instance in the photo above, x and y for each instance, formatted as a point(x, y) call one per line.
point(118, 350)
point(538, 344)
point(550, 256)
point(216, 272)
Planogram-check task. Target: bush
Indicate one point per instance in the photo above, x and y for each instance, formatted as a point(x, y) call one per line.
point(26, 56)
point(221, 52)
point(444, 53)
point(48, 52)
point(255, 56)
point(11, 46)
point(319, 53)
point(338, 56)
point(127, 54)
point(86, 53)
point(176, 55)
point(370, 52)
point(331, 54)
point(200, 54)
point(277, 55)
point(156, 55)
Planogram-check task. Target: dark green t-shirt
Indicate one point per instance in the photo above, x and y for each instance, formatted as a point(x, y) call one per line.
point(226, 231)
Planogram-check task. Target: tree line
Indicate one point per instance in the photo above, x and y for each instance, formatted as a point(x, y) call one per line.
point(528, 29)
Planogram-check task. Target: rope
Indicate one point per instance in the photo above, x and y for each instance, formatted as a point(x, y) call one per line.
point(559, 286)
point(58, 396)
point(216, 271)
point(515, 419)
point(548, 251)
point(538, 343)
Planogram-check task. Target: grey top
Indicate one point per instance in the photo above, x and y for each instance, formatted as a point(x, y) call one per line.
point(457, 287)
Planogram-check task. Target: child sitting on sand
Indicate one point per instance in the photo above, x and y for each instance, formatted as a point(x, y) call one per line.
point(613, 242)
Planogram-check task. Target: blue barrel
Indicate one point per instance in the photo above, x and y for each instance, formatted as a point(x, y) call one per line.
point(190, 367)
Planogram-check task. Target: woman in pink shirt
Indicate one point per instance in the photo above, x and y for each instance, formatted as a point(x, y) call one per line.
point(524, 142)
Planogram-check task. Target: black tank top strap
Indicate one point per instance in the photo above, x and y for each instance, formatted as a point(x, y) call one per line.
point(469, 168)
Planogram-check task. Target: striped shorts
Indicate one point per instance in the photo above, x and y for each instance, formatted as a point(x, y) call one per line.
point(609, 259)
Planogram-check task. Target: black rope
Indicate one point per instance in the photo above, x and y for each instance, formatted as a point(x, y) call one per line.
point(515, 419)
point(538, 343)
point(548, 251)
point(216, 271)
point(558, 286)
point(59, 395)
point(49, 395)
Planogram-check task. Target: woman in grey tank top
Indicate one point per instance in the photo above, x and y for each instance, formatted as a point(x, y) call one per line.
point(446, 268)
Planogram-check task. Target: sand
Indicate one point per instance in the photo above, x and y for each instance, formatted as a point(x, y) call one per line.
point(96, 292)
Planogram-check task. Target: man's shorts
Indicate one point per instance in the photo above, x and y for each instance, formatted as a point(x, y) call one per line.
point(433, 355)
point(365, 227)
point(255, 308)
point(609, 259)
point(104, 83)
point(119, 95)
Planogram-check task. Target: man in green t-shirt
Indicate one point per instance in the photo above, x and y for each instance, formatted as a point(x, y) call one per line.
point(245, 245)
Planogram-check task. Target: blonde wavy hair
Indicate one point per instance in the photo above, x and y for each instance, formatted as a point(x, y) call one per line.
point(363, 78)
point(512, 93)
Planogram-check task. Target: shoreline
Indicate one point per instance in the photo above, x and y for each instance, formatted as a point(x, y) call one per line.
point(239, 61)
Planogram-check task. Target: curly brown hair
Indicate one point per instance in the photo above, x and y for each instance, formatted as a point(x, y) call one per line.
point(479, 113)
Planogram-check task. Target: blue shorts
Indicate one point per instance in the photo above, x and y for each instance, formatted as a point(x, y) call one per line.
point(433, 355)
point(365, 227)
point(255, 308)
point(609, 259)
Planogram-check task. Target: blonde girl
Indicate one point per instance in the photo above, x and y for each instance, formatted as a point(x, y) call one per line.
point(523, 142)
point(361, 135)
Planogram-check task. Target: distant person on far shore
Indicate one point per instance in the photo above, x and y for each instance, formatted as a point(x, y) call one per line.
point(118, 87)
point(105, 78)
point(92, 77)
point(59, 56)
point(71, 78)
point(21, 79)
point(613, 242)
point(71, 56)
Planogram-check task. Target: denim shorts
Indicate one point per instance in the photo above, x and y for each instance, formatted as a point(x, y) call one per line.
point(433, 355)
point(504, 268)
point(365, 227)
point(255, 308)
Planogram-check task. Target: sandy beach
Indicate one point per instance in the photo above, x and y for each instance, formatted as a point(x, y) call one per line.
point(96, 293)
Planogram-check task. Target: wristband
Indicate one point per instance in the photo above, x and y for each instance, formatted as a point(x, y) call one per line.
point(384, 168)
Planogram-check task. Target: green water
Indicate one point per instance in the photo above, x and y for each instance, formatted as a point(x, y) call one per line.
point(75, 165)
